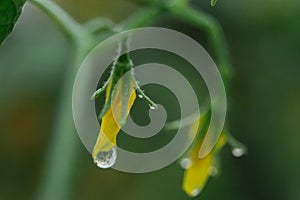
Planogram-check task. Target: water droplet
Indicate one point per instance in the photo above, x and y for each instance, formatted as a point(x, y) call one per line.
point(152, 107)
point(213, 171)
point(195, 192)
point(185, 163)
point(238, 151)
point(106, 159)
point(140, 96)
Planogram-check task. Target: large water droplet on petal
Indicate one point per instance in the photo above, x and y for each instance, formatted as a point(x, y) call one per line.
point(238, 151)
point(106, 159)
point(185, 163)
point(195, 192)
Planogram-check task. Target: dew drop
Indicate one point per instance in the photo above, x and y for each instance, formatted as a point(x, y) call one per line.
point(238, 151)
point(152, 107)
point(140, 96)
point(213, 171)
point(106, 159)
point(185, 163)
point(196, 192)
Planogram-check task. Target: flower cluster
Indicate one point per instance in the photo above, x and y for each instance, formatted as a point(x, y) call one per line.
point(120, 93)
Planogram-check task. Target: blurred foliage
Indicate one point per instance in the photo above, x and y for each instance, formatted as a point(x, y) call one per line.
point(263, 38)
point(85, 10)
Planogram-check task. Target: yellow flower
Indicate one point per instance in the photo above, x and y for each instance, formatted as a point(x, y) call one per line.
point(110, 125)
point(197, 174)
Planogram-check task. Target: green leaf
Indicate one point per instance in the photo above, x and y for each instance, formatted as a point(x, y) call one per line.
point(213, 2)
point(10, 11)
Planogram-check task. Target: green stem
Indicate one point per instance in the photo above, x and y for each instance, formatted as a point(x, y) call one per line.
point(99, 24)
point(141, 18)
point(214, 34)
point(234, 143)
point(212, 28)
point(183, 11)
point(66, 24)
point(56, 179)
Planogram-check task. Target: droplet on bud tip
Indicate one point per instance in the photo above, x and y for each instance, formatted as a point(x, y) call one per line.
point(152, 107)
point(196, 192)
point(106, 159)
point(238, 151)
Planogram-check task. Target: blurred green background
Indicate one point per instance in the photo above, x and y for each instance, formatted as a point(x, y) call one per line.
point(264, 42)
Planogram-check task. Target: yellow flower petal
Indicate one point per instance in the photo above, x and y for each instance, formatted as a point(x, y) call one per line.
point(221, 141)
point(110, 121)
point(196, 176)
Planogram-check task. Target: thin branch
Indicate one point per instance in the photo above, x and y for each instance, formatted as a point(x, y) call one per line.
point(214, 34)
point(141, 18)
point(143, 2)
point(99, 24)
point(65, 22)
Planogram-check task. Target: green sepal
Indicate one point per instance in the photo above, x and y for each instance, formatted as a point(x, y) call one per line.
point(213, 2)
